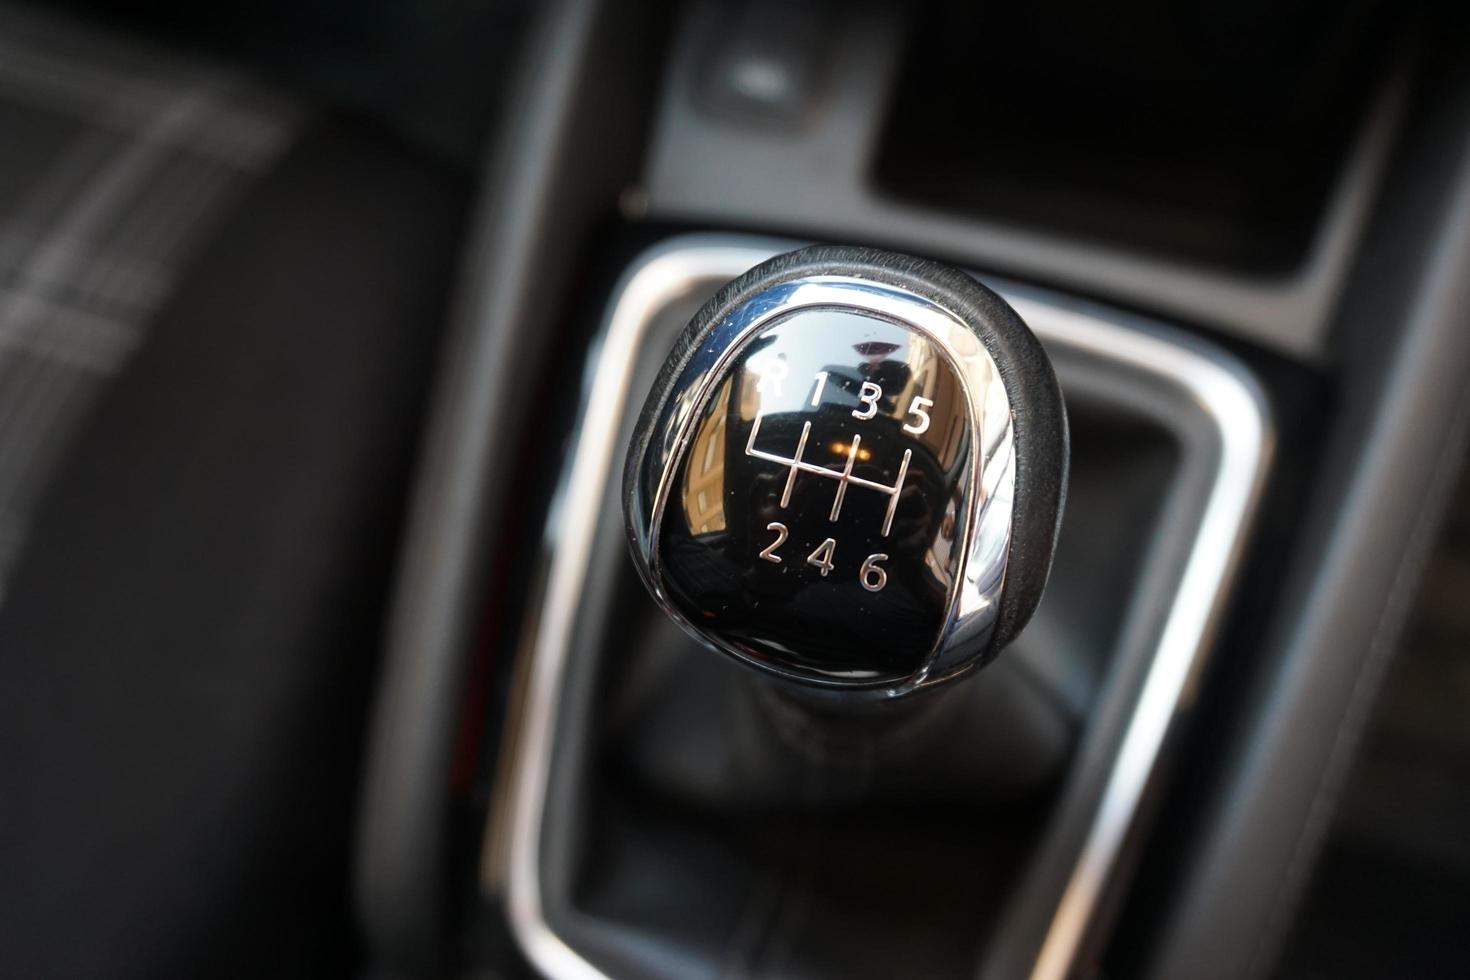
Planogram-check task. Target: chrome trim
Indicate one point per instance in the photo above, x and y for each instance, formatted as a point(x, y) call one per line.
point(1234, 403)
point(667, 272)
point(974, 600)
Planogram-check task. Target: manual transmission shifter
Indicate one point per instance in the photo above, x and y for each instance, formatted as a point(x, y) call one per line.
point(850, 472)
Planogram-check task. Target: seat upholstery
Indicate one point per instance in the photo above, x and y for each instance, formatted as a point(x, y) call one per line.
point(119, 159)
point(220, 315)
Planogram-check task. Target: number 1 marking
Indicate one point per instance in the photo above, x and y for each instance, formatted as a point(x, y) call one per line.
point(821, 377)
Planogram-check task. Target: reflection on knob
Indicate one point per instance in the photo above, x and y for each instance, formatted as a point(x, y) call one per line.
point(851, 472)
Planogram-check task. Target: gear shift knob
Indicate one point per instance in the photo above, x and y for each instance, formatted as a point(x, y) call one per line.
point(850, 472)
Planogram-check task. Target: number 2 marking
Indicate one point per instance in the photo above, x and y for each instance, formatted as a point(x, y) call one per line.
point(868, 394)
point(769, 554)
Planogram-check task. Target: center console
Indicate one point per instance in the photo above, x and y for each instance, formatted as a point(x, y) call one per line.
point(663, 820)
point(1262, 360)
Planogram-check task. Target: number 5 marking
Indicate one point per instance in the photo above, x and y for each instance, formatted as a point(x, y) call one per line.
point(868, 395)
point(916, 407)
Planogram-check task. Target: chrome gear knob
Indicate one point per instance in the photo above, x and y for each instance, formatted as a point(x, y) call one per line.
point(850, 472)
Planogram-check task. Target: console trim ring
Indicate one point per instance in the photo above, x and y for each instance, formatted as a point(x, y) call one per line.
point(1219, 383)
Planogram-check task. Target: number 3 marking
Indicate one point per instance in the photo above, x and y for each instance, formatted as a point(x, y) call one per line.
point(770, 553)
point(868, 395)
point(916, 407)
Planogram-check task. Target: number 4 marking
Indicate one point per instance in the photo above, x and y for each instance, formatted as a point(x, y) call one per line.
point(822, 557)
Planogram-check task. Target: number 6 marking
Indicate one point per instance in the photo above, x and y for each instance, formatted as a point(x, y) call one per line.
point(916, 407)
point(769, 554)
point(872, 576)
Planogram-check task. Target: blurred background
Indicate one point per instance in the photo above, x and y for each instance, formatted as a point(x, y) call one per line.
point(298, 307)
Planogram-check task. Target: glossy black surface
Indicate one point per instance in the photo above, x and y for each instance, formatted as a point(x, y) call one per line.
point(750, 547)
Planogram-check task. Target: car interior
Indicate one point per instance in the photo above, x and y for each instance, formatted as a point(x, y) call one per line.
point(734, 489)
